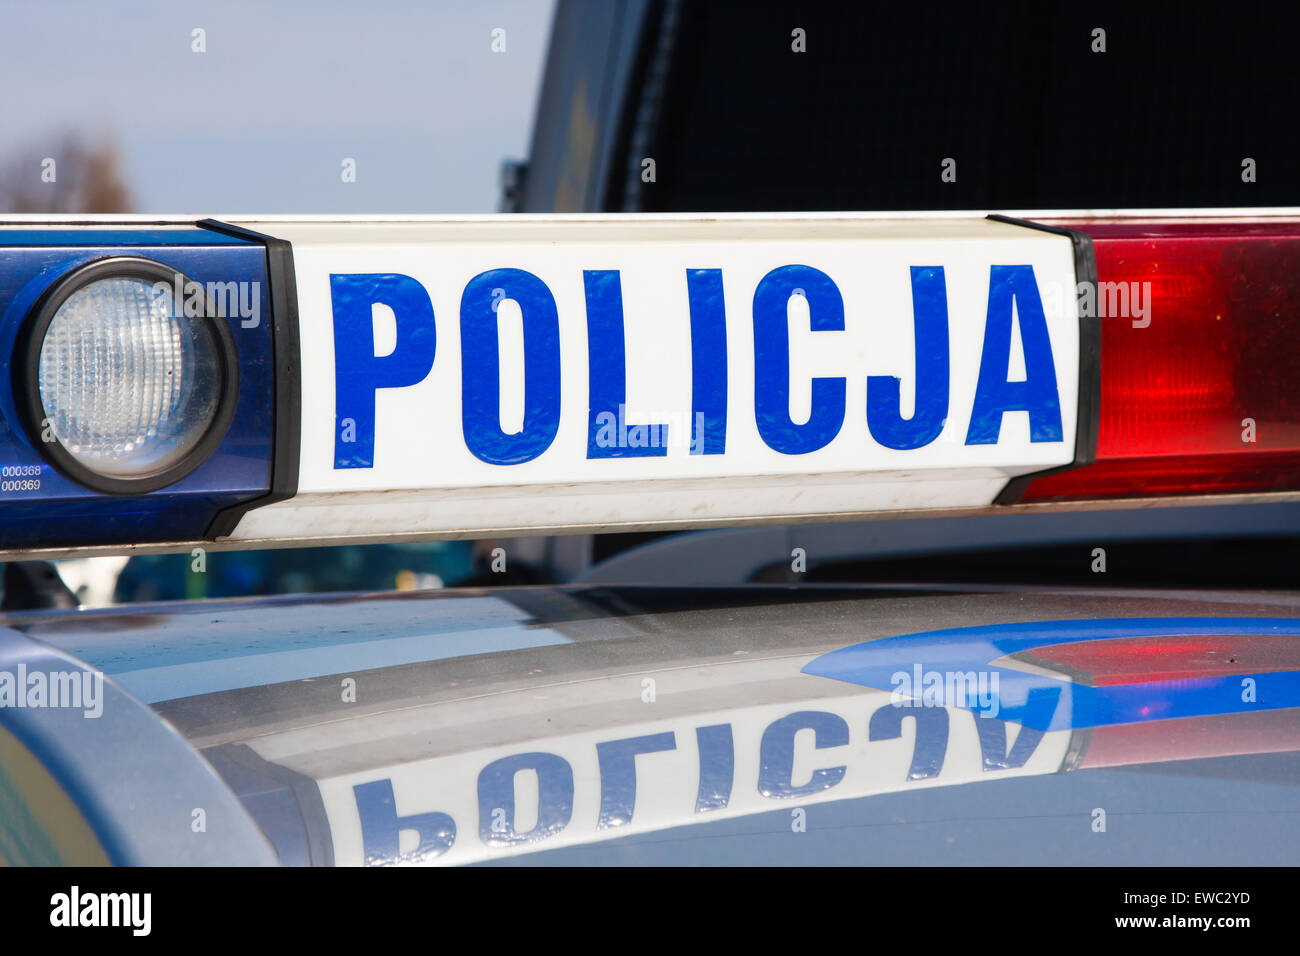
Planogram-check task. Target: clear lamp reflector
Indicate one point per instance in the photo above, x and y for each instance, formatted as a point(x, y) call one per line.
point(128, 386)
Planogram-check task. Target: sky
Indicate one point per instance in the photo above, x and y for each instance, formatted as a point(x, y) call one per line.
point(286, 91)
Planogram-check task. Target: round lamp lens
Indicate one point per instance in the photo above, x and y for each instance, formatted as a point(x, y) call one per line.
point(129, 387)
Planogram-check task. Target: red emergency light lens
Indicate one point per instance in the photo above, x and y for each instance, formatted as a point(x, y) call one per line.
point(1137, 660)
point(1200, 342)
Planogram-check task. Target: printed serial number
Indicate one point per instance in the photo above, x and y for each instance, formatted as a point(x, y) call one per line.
point(20, 471)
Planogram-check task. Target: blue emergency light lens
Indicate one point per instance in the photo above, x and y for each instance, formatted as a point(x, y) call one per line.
point(129, 375)
point(140, 396)
point(129, 387)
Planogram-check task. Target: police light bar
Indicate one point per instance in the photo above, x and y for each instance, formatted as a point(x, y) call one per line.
point(256, 382)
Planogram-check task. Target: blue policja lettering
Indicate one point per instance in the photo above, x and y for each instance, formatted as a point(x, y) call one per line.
point(772, 360)
point(480, 364)
point(381, 827)
point(717, 767)
point(617, 760)
point(607, 371)
point(931, 736)
point(358, 372)
point(884, 416)
point(776, 753)
point(1037, 394)
point(1040, 705)
point(496, 798)
point(708, 361)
